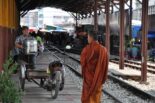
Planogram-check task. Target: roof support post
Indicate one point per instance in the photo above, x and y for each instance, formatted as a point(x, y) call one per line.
point(130, 20)
point(121, 48)
point(107, 42)
point(144, 40)
point(95, 17)
point(112, 9)
point(76, 20)
point(18, 17)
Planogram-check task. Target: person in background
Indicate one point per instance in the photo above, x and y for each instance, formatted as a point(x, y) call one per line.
point(19, 45)
point(94, 63)
point(40, 43)
point(128, 51)
point(152, 54)
point(134, 52)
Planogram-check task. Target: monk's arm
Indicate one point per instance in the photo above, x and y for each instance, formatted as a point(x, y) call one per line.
point(83, 59)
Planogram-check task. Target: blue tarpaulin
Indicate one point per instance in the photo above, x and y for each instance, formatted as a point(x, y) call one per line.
point(151, 35)
point(136, 29)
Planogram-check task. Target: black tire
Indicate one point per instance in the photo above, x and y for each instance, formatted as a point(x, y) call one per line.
point(62, 84)
point(56, 87)
point(55, 91)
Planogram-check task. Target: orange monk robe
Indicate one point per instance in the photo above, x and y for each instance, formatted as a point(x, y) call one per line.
point(94, 62)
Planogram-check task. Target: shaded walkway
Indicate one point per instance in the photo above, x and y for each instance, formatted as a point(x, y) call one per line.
point(35, 94)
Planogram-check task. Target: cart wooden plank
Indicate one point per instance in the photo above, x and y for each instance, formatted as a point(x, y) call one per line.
point(37, 74)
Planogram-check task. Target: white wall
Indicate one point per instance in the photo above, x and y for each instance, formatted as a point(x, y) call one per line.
point(49, 14)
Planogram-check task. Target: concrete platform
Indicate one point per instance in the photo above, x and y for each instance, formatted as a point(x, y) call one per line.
point(114, 68)
point(149, 88)
point(136, 61)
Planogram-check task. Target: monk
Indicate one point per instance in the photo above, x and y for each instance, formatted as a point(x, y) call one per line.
point(94, 63)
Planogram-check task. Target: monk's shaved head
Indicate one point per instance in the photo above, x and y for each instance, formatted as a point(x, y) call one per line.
point(93, 34)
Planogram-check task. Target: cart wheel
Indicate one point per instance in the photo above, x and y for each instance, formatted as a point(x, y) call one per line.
point(55, 91)
point(62, 84)
point(56, 85)
point(22, 76)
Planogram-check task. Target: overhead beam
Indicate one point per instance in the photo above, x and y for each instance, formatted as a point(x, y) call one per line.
point(24, 13)
point(115, 5)
point(127, 5)
point(139, 1)
point(77, 4)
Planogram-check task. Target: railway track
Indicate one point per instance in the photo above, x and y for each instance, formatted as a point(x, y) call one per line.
point(128, 63)
point(135, 65)
point(120, 91)
point(133, 62)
